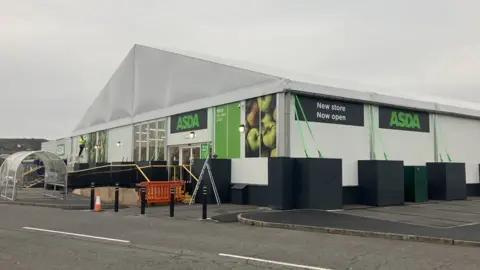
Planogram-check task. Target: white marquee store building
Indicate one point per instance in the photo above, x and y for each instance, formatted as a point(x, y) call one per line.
point(161, 105)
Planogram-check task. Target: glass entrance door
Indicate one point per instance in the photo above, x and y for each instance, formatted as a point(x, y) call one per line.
point(185, 156)
point(195, 152)
point(189, 152)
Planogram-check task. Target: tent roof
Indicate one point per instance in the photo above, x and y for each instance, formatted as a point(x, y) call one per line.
point(153, 83)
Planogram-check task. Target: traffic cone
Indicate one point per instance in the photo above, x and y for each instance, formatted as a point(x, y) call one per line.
point(98, 204)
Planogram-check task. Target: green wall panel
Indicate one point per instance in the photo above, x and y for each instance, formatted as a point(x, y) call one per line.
point(227, 136)
point(416, 185)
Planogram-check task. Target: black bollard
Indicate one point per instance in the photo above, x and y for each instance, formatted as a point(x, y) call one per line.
point(92, 196)
point(204, 202)
point(143, 199)
point(117, 192)
point(172, 200)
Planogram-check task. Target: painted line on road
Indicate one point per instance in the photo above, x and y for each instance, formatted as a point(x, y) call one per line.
point(77, 234)
point(272, 262)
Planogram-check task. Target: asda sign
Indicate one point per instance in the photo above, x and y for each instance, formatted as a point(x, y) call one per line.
point(391, 118)
point(189, 121)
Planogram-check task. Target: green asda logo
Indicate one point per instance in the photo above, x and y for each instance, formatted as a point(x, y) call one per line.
point(188, 122)
point(404, 120)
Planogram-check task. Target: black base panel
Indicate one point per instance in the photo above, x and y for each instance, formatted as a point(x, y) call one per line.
point(473, 189)
point(381, 182)
point(109, 176)
point(318, 183)
point(258, 195)
point(280, 183)
point(446, 181)
point(239, 194)
point(351, 195)
point(221, 172)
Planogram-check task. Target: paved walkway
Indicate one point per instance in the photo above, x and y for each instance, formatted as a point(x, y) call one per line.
point(220, 213)
point(35, 197)
point(440, 221)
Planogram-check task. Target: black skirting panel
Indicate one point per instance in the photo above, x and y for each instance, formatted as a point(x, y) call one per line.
point(239, 194)
point(317, 183)
point(221, 172)
point(153, 173)
point(381, 182)
point(146, 169)
point(258, 195)
point(473, 189)
point(80, 166)
point(446, 181)
point(159, 173)
point(351, 195)
point(280, 183)
point(125, 176)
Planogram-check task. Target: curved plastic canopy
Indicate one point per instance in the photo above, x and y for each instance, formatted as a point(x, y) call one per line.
point(12, 172)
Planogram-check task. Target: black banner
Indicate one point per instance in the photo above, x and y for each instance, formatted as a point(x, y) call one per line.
point(330, 111)
point(400, 119)
point(189, 121)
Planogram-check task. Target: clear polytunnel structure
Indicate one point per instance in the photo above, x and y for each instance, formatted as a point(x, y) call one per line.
point(12, 172)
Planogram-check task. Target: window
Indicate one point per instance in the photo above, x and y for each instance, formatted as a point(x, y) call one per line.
point(143, 141)
point(160, 146)
point(152, 139)
point(136, 143)
point(149, 141)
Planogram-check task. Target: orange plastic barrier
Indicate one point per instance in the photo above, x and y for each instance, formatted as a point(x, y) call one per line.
point(159, 191)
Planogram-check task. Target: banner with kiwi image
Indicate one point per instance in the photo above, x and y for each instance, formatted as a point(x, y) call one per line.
point(89, 151)
point(102, 146)
point(261, 127)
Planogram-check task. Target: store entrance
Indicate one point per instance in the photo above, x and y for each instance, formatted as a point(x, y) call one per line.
point(183, 155)
point(188, 153)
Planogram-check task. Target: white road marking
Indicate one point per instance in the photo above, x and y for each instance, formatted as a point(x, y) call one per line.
point(77, 234)
point(273, 262)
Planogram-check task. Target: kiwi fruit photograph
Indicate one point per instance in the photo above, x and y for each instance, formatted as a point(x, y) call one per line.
point(90, 147)
point(261, 127)
point(102, 146)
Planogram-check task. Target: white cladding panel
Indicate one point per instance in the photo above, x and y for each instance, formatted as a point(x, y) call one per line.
point(252, 171)
point(202, 135)
point(50, 146)
point(459, 138)
point(413, 147)
point(63, 148)
point(122, 152)
point(350, 143)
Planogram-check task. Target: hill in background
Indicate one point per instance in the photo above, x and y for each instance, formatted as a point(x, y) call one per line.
point(10, 146)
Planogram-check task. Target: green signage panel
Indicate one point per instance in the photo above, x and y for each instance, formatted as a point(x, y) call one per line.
point(204, 150)
point(400, 119)
point(227, 135)
point(189, 121)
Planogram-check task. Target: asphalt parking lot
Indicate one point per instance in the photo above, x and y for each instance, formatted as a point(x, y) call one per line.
point(47, 238)
point(433, 214)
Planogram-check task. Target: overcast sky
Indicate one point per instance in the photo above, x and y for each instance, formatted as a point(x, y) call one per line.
point(56, 56)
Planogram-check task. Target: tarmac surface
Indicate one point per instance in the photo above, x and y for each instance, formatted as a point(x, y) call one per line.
point(48, 238)
point(456, 220)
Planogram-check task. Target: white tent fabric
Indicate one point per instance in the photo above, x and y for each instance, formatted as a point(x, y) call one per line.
point(153, 83)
